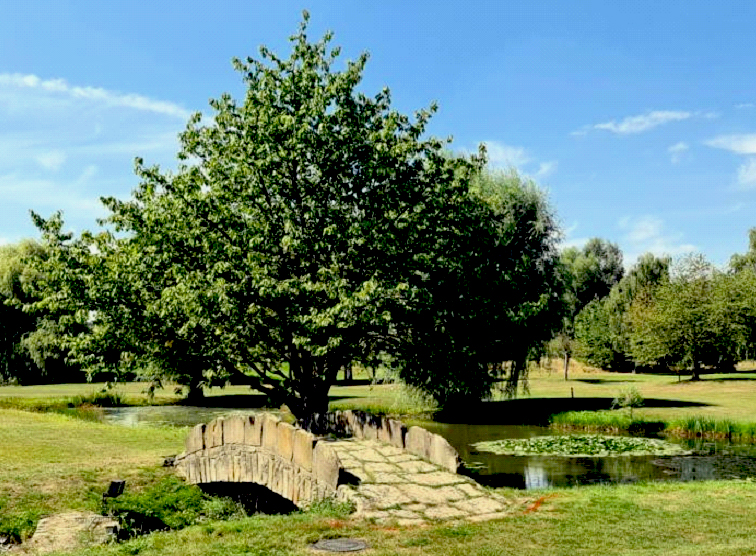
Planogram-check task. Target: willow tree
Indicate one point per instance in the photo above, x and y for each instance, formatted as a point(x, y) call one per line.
point(308, 225)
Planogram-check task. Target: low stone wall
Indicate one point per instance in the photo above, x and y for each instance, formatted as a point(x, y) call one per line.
point(261, 449)
point(416, 440)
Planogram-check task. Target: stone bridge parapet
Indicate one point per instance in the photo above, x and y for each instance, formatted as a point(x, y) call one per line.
point(415, 440)
point(262, 449)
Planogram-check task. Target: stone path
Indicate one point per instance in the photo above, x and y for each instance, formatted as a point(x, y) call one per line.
point(397, 486)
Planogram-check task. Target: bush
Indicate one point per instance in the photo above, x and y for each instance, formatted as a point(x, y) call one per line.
point(168, 504)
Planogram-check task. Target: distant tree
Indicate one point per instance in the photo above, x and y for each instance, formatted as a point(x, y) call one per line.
point(28, 340)
point(590, 273)
point(743, 268)
point(689, 321)
point(308, 227)
point(748, 260)
point(602, 328)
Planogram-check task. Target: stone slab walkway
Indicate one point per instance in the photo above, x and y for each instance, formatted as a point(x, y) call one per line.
point(397, 486)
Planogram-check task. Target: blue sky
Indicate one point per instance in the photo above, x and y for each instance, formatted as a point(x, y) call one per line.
point(638, 118)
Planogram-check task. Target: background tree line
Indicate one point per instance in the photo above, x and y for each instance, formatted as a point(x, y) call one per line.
point(682, 316)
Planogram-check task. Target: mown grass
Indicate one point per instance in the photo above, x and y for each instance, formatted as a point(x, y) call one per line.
point(703, 519)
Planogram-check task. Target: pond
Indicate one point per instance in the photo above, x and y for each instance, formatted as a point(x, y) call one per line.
point(710, 460)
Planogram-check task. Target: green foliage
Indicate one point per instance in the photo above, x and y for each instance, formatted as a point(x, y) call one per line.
point(309, 226)
point(689, 321)
point(329, 507)
point(628, 398)
point(602, 328)
point(99, 399)
point(496, 299)
point(168, 504)
point(591, 271)
point(581, 446)
point(588, 275)
point(593, 336)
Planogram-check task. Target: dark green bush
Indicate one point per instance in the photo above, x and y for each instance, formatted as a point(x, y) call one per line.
point(168, 504)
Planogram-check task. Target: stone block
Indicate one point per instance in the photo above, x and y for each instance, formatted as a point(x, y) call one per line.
point(343, 419)
point(418, 442)
point(253, 430)
point(275, 480)
point(270, 432)
point(224, 467)
point(233, 430)
point(370, 427)
point(204, 469)
point(236, 475)
point(196, 439)
point(302, 451)
point(355, 424)
point(397, 432)
point(326, 465)
point(285, 448)
point(305, 493)
point(443, 454)
point(266, 472)
point(384, 432)
point(287, 481)
point(214, 433)
point(249, 467)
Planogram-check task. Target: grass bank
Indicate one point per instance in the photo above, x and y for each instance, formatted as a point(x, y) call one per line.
point(688, 427)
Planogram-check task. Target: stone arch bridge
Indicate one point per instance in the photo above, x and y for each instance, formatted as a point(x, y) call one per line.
point(387, 470)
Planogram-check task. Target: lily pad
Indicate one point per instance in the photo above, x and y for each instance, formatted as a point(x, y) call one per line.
point(587, 445)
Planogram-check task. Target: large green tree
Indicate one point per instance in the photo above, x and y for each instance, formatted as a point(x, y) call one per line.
point(690, 321)
point(308, 226)
point(602, 328)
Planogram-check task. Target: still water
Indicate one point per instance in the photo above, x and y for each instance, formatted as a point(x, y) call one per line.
point(710, 460)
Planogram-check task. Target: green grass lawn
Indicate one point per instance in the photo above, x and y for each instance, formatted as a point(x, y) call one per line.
point(50, 463)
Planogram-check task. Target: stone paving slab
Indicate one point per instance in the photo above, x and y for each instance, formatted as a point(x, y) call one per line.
point(402, 488)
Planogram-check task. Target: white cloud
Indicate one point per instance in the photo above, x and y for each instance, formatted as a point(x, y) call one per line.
point(643, 122)
point(501, 155)
point(676, 151)
point(649, 234)
point(95, 94)
point(740, 144)
point(747, 174)
point(51, 160)
point(545, 169)
point(743, 105)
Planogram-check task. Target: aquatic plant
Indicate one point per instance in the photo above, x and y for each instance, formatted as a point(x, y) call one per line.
point(581, 446)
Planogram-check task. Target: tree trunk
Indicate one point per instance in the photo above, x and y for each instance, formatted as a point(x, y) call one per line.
point(195, 394)
point(566, 365)
point(695, 372)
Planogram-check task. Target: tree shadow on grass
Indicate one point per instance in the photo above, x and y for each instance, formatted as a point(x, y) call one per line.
point(604, 380)
point(537, 411)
